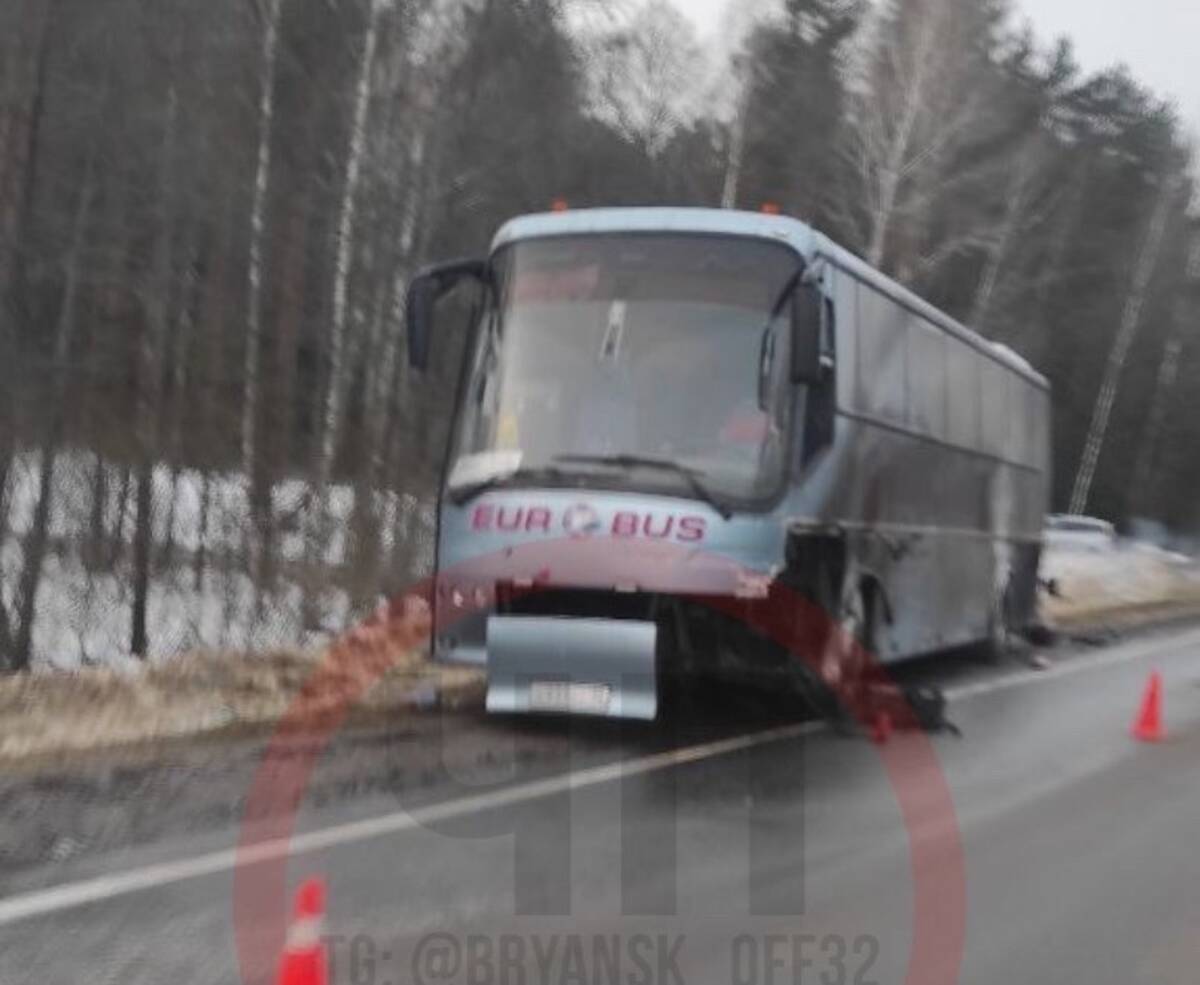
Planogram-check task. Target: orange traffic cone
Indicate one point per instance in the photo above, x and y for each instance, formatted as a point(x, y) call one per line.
point(303, 961)
point(1149, 724)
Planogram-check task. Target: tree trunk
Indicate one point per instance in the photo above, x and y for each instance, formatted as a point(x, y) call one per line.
point(1066, 227)
point(183, 321)
point(142, 539)
point(251, 384)
point(735, 159)
point(117, 544)
point(200, 561)
point(1131, 320)
point(212, 452)
point(997, 255)
point(891, 168)
point(37, 539)
point(20, 130)
point(317, 532)
point(399, 406)
point(149, 387)
point(96, 540)
point(20, 140)
point(1168, 374)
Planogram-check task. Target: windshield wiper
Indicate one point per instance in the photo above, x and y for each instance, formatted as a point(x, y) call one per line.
point(464, 494)
point(694, 481)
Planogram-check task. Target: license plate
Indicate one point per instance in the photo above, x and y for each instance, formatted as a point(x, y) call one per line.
point(574, 699)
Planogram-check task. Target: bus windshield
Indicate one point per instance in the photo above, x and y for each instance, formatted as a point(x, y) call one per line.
point(610, 348)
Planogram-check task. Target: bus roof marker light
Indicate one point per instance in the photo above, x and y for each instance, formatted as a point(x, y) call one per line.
point(560, 205)
point(771, 208)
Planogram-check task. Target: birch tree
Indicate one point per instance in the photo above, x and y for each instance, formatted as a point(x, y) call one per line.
point(1026, 204)
point(915, 105)
point(271, 12)
point(317, 533)
point(648, 74)
point(36, 540)
point(1144, 267)
point(224, 293)
point(26, 38)
point(149, 375)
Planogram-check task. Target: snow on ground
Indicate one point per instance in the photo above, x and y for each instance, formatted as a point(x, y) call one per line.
point(125, 702)
point(1111, 583)
point(84, 615)
point(225, 656)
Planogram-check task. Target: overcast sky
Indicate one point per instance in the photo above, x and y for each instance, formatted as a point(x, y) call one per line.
point(1158, 39)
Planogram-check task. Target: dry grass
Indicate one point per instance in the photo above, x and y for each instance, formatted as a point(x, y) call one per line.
point(375, 669)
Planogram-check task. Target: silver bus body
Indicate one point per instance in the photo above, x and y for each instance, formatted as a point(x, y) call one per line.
point(927, 493)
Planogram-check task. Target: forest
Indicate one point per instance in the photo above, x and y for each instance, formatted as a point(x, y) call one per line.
point(210, 212)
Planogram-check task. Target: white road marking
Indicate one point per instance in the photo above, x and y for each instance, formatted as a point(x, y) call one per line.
point(70, 895)
point(1129, 653)
point(41, 902)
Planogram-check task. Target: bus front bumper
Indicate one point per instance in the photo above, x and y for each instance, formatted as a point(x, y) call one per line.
point(596, 667)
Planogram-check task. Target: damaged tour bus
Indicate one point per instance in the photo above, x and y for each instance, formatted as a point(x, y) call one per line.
point(667, 417)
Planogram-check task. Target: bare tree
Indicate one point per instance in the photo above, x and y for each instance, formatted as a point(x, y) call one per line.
point(914, 107)
point(1025, 205)
point(149, 383)
point(27, 30)
point(251, 384)
point(1131, 321)
point(1182, 318)
point(736, 151)
point(220, 292)
point(36, 540)
point(647, 75)
point(316, 534)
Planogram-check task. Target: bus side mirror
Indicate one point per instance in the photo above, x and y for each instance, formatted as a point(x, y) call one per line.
point(807, 306)
point(424, 292)
point(422, 299)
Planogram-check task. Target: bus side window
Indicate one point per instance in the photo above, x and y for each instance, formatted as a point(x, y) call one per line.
point(1034, 420)
point(883, 374)
point(993, 392)
point(846, 329)
point(1039, 425)
point(927, 377)
point(962, 399)
point(1019, 397)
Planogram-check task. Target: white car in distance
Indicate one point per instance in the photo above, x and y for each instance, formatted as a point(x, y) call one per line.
point(1079, 533)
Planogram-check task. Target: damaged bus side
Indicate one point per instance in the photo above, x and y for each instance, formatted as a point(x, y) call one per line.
point(666, 417)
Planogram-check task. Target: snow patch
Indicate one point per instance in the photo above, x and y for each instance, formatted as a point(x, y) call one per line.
point(84, 612)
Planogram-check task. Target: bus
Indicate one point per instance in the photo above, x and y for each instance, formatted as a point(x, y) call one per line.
point(666, 417)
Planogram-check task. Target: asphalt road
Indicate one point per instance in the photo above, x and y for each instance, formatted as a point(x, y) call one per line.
point(1043, 846)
